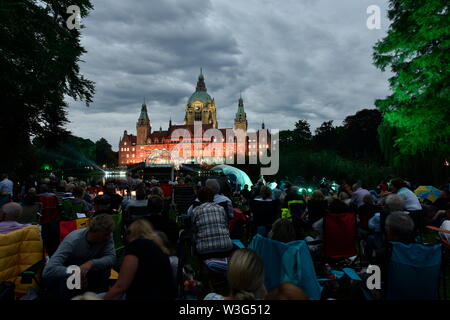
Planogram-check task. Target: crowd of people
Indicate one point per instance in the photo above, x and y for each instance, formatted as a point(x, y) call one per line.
point(149, 266)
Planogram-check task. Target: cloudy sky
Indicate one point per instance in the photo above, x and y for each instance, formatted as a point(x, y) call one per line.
point(292, 59)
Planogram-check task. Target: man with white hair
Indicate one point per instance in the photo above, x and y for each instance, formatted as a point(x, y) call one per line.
point(219, 198)
point(9, 214)
point(394, 204)
point(399, 227)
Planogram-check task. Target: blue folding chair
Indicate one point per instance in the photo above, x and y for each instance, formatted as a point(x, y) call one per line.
point(414, 271)
point(287, 262)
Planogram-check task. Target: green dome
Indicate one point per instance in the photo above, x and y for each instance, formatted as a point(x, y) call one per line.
point(202, 96)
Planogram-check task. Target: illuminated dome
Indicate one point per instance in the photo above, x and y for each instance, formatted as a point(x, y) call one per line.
point(201, 96)
point(235, 174)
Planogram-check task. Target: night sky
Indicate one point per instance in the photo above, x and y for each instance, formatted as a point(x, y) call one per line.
point(292, 59)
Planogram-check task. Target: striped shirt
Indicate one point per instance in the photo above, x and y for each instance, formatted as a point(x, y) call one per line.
point(211, 229)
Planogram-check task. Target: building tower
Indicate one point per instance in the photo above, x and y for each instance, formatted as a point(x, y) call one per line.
point(240, 121)
point(143, 127)
point(200, 106)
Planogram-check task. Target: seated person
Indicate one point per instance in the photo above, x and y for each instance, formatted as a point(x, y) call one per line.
point(219, 198)
point(317, 206)
point(9, 215)
point(210, 227)
point(161, 222)
point(283, 231)
point(116, 200)
point(75, 205)
point(245, 277)
point(101, 205)
point(399, 227)
point(265, 210)
point(92, 249)
point(30, 209)
point(146, 273)
point(286, 291)
point(140, 201)
point(44, 191)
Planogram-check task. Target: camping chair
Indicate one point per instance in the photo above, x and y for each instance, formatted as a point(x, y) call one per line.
point(66, 227)
point(445, 258)
point(339, 235)
point(50, 217)
point(414, 271)
point(167, 189)
point(183, 196)
point(71, 209)
point(287, 262)
point(21, 259)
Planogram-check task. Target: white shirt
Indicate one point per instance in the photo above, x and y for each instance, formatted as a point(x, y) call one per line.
point(412, 203)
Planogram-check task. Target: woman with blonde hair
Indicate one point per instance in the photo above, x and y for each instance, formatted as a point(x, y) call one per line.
point(146, 273)
point(245, 277)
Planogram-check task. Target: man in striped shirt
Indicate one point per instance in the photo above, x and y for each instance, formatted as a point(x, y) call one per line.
point(210, 227)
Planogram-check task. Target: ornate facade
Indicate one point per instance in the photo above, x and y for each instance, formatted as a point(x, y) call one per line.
point(153, 146)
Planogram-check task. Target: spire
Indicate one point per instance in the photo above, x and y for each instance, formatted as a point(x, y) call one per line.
point(143, 117)
point(170, 122)
point(263, 126)
point(201, 86)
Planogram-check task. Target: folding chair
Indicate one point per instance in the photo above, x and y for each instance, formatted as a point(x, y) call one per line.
point(183, 197)
point(445, 258)
point(414, 271)
point(339, 235)
point(287, 262)
point(50, 217)
point(22, 259)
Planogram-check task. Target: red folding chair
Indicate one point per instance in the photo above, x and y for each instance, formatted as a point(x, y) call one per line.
point(167, 189)
point(50, 210)
point(339, 235)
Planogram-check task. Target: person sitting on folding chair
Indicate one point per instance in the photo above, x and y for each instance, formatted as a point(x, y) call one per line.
point(245, 277)
point(146, 272)
point(92, 249)
point(210, 227)
point(9, 215)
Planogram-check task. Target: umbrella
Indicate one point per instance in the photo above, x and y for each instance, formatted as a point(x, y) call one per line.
point(428, 192)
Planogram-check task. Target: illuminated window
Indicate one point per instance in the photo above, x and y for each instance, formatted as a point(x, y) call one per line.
point(124, 143)
point(127, 155)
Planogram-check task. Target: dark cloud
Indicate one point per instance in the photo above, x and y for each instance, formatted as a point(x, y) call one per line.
point(309, 59)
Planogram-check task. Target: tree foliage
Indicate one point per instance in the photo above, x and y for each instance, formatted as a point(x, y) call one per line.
point(416, 51)
point(39, 65)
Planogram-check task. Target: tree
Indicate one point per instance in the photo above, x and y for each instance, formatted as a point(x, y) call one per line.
point(39, 67)
point(360, 134)
point(325, 136)
point(416, 50)
point(104, 154)
point(302, 133)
